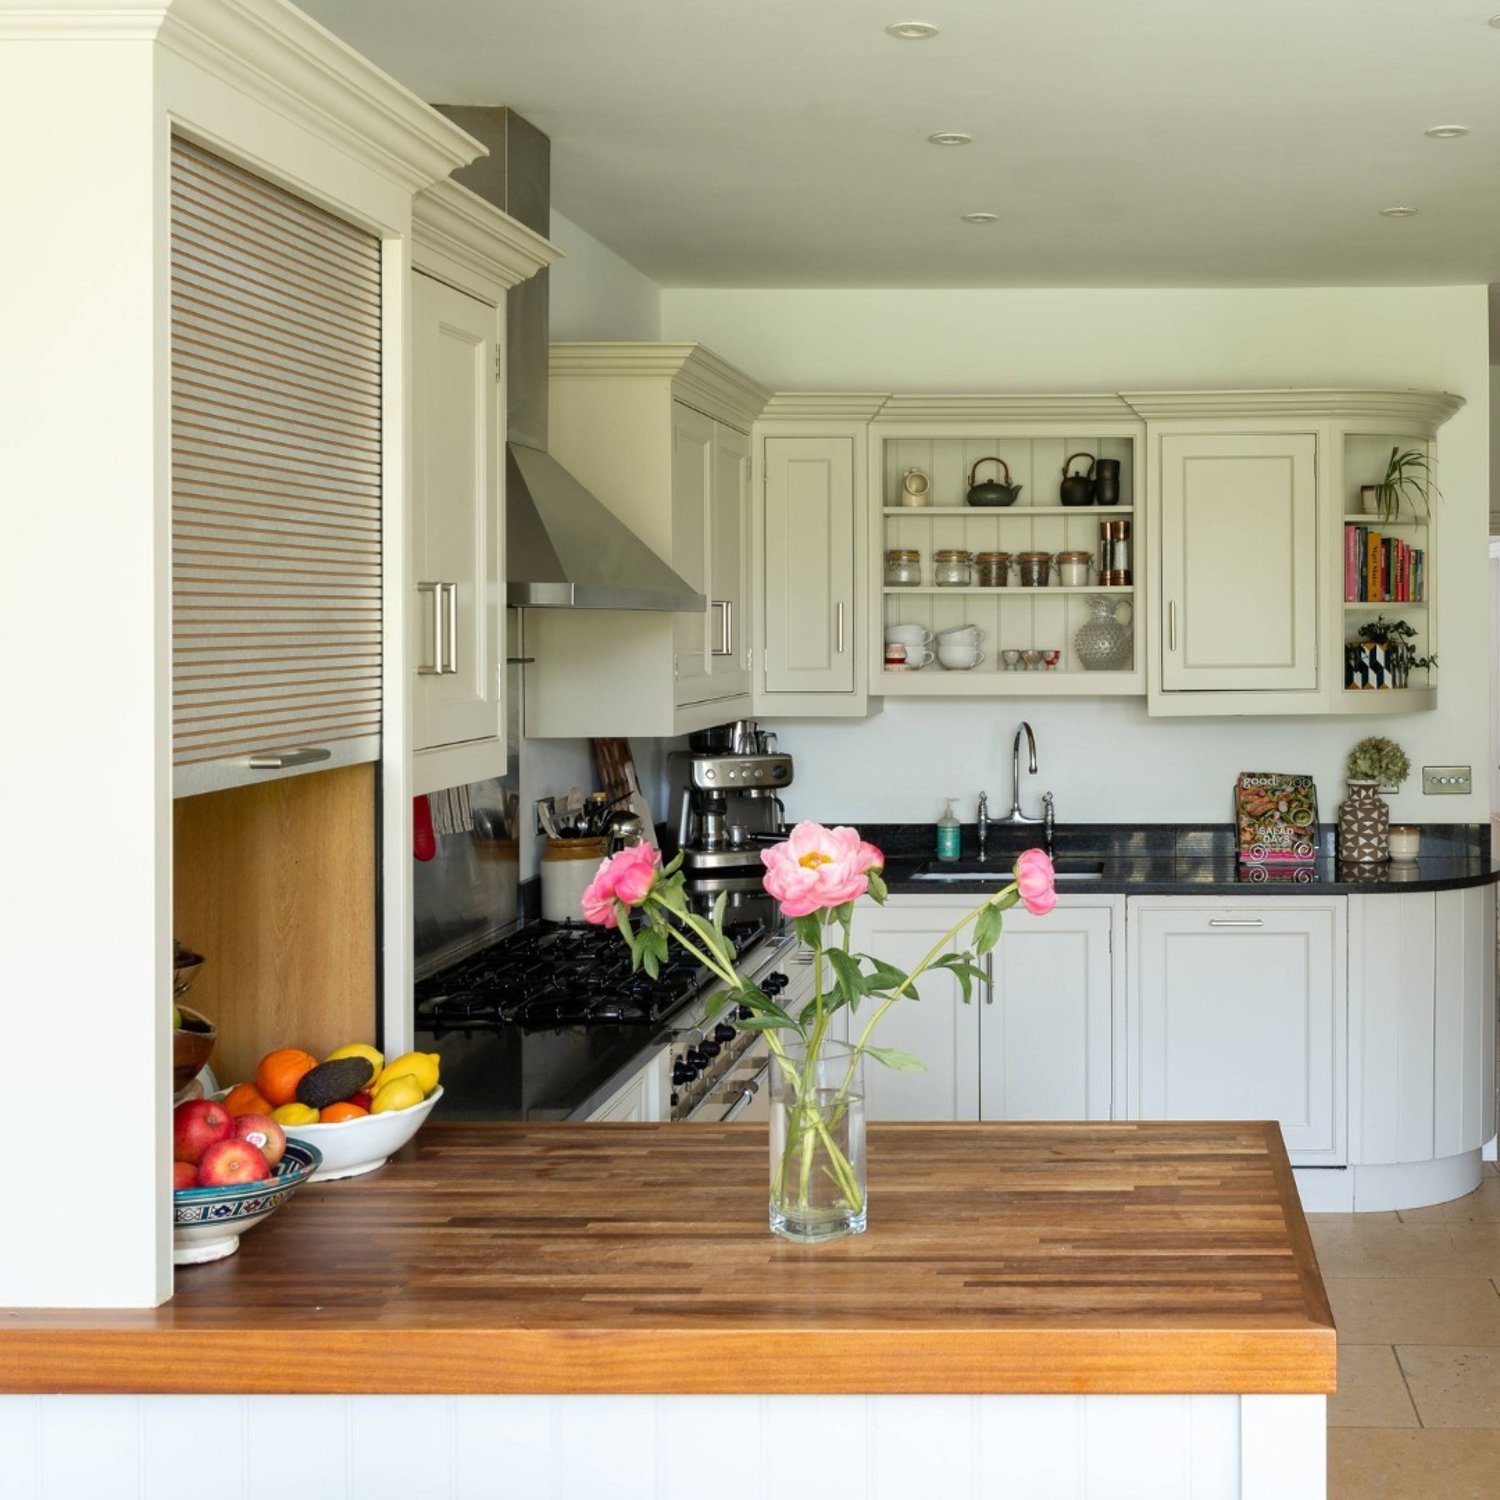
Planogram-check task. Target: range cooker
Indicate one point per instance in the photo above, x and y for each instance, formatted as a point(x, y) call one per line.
point(541, 1024)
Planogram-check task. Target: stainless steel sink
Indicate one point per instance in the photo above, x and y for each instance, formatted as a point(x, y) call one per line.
point(1067, 870)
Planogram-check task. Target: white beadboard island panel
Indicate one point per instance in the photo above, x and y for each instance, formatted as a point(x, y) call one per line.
point(653, 1447)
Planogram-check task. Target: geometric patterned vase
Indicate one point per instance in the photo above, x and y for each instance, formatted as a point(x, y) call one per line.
point(1364, 826)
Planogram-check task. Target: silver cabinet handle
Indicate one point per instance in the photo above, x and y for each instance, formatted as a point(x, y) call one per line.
point(280, 760)
point(449, 659)
point(726, 627)
point(803, 956)
point(435, 666)
point(838, 618)
point(989, 973)
point(1236, 922)
point(1171, 625)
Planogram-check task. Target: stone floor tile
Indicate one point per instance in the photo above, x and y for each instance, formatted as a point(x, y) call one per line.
point(1415, 1310)
point(1453, 1385)
point(1394, 1249)
point(1482, 1206)
point(1371, 1391)
point(1413, 1463)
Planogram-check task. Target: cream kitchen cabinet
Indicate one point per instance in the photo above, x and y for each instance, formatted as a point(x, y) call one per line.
point(660, 433)
point(466, 254)
point(1238, 532)
point(809, 536)
point(1237, 1012)
point(1046, 1021)
point(1035, 1044)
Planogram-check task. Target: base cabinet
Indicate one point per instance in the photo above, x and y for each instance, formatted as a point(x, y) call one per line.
point(1237, 1012)
point(1035, 1044)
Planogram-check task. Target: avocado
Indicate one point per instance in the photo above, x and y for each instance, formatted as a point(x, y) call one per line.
point(331, 1081)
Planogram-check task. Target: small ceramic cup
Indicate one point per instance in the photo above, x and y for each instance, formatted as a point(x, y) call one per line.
point(895, 654)
point(909, 635)
point(1050, 658)
point(960, 658)
point(1031, 658)
point(1011, 657)
point(1406, 840)
point(960, 635)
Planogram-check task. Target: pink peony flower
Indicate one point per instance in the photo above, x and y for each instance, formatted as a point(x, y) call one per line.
point(819, 867)
point(1036, 882)
point(626, 877)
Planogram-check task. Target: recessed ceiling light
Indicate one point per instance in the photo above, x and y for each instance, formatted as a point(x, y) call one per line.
point(1447, 132)
point(980, 218)
point(950, 138)
point(1399, 211)
point(911, 31)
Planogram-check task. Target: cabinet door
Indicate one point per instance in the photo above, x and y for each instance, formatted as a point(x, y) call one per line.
point(456, 540)
point(729, 564)
point(939, 1028)
point(1239, 587)
point(1238, 1014)
point(692, 484)
point(1045, 1021)
point(809, 565)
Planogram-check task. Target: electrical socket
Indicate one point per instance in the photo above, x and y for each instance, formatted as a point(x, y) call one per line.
point(1447, 781)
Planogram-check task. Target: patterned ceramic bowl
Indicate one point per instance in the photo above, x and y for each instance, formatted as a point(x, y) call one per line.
point(207, 1222)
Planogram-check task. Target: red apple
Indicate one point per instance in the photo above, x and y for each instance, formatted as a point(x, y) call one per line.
point(184, 1175)
point(264, 1134)
point(363, 1098)
point(232, 1161)
point(197, 1125)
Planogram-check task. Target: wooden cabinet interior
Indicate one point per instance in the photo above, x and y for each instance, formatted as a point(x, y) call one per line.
point(276, 886)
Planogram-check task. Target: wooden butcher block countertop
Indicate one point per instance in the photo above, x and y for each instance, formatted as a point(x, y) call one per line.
point(635, 1258)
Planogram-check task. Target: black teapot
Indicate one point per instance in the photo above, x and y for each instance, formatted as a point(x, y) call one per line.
point(992, 491)
point(1077, 489)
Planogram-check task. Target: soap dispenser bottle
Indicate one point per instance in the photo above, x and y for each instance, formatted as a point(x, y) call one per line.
point(948, 832)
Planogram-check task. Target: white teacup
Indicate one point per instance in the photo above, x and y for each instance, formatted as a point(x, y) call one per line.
point(910, 636)
point(960, 658)
point(960, 635)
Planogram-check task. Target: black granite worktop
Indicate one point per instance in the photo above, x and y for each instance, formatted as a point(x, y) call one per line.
point(1171, 859)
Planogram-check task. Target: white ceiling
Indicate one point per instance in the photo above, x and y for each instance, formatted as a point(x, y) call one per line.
point(1123, 142)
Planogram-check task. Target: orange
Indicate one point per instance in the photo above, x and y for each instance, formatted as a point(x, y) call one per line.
point(246, 1099)
point(336, 1112)
point(279, 1073)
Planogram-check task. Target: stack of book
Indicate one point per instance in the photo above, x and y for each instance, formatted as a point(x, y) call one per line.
point(1382, 569)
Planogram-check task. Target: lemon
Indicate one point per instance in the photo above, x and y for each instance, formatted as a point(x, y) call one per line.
point(294, 1114)
point(360, 1049)
point(423, 1066)
point(399, 1093)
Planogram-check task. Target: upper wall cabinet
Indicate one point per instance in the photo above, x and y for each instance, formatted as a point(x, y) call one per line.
point(1264, 556)
point(1239, 561)
point(660, 433)
point(465, 255)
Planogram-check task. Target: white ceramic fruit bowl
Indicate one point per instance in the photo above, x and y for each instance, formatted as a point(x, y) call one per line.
point(207, 1222)
point(353, 1147)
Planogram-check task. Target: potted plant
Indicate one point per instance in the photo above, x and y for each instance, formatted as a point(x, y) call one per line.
point(1364, 818)
point(1384, 656)
point(817, 1090)
point(1408, 474)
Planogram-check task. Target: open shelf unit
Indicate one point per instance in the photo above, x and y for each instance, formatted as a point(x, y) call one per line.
point(1011, 617)
point(1364, 461)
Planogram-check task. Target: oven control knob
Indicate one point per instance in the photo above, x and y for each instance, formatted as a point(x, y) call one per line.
point(744, 1013)
point(709, 1048)
point(680, 1073)
point(723, 1033)
point(710, 774)
point(694, 1058)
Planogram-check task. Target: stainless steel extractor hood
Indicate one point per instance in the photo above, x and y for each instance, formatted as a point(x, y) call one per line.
point(564, 547)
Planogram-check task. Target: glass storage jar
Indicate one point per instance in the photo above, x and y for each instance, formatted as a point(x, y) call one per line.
point(1036, 569)
point(903, 567)
point(953, 568)
point(1073, 568)
point(993, 569)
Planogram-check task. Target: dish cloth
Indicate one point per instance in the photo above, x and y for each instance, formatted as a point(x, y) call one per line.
point(452, 811)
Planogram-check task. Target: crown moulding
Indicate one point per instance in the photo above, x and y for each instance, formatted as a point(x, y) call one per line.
point(1426, 410)
point(280, 58)
point(1020, 407)
point(698, 375)
point(450, 223)
point(844, 406)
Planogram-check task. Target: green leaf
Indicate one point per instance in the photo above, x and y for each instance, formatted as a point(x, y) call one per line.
point(1008, 900)
point(717, 915)
point(987, 928)
point(902, 1062)
point(714, 1004)
point(846, 972)
point(650, 963)
point(671, 895)
point(883, 976)
point(672, 866)
point(765, 1007)
point(878, 890)
point(809, 930)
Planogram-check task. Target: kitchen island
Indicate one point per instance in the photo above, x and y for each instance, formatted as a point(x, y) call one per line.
point(1118, 1309)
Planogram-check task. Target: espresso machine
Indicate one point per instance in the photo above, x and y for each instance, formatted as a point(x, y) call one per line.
point(726, 800)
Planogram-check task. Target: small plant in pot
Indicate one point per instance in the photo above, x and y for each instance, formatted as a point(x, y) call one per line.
point(1364, 819)
point(1384, 656)
point(1408, 476)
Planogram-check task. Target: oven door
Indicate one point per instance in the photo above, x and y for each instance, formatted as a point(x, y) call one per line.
point(743, 1093)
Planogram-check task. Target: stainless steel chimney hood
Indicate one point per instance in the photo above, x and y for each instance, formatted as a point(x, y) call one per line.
point(565, 549)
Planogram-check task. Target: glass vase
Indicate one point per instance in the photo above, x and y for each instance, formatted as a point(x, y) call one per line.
point(817, 1142)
